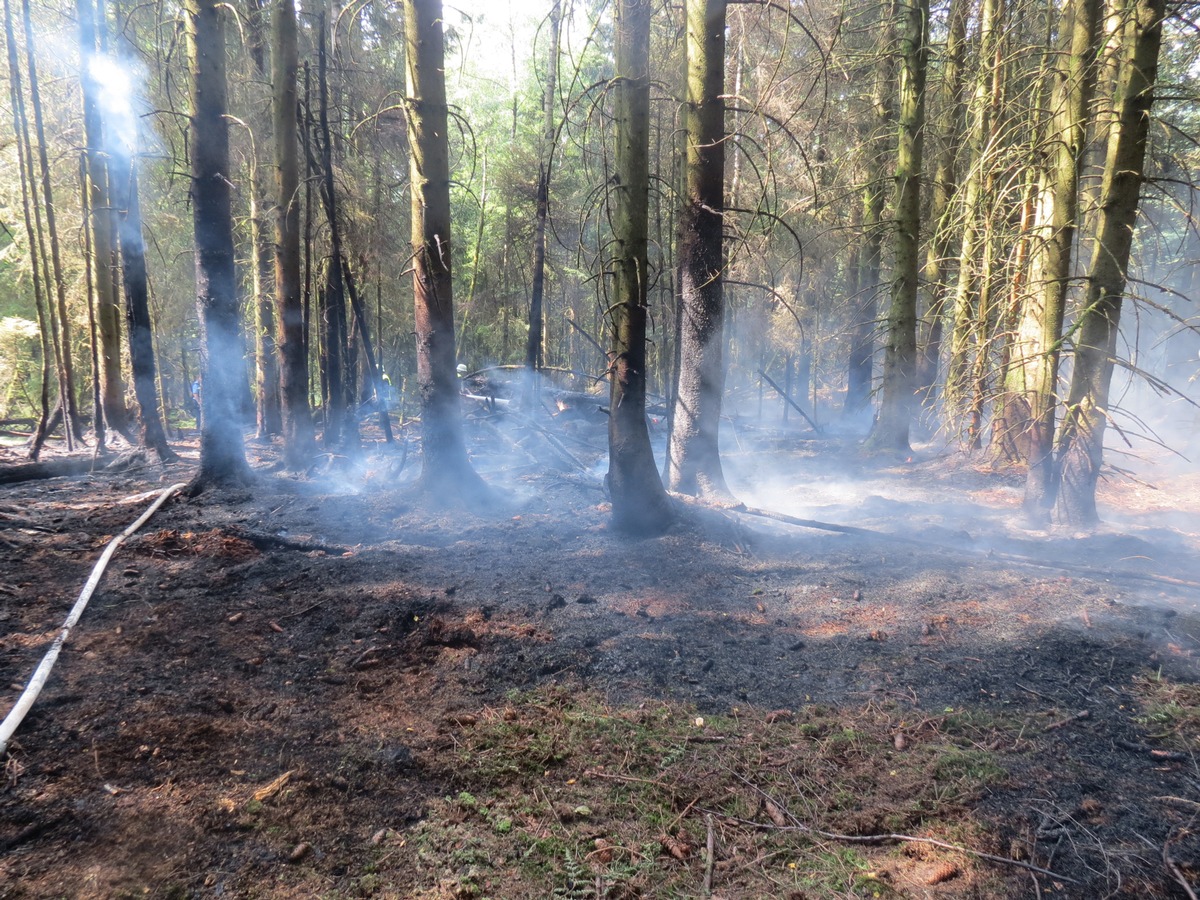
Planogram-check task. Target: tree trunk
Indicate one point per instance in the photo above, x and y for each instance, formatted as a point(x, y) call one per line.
point(268, 413)
point(640, 505)
point(222, 451)
point(900, 358)
point(32, 226)
point(943, 189)
point(966, 294)
point(340, 428)
point(298, 438)
point(61, 338)
point(85, 206)
point(695, 456)
point(1032, 374)
point(137, 290)
point(533, 344)
point(446, 472)
point(877, 141)
point(1081, 436)
point(104, 265)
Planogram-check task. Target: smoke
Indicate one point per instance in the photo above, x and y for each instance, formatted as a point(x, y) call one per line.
point(118, 88)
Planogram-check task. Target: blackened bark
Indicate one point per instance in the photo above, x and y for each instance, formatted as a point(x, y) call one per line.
point(222, 451)
point(640, 505)
point(137, 300)
point(298, 438)
point(446, 472)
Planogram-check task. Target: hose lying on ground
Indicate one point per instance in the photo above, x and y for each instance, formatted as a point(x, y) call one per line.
point(17, 714)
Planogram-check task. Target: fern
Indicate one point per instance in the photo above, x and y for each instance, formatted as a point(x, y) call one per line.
point(577, 881)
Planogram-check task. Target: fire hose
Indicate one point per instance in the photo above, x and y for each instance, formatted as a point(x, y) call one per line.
point(38, 681)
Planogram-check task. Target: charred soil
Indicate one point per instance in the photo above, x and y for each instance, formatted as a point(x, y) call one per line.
point(322, 686)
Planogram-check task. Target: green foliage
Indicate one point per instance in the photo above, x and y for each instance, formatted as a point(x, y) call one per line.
point(20, 367)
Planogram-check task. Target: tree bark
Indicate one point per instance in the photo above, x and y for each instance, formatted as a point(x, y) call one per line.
point(640, 505)
point(957, 385)
point(1032, 376)
point(900, 357)
point(446, 472)
point(1081, 436)
point(61, 338)
point(944, 187)
point(878, 140)
point(137, 294)
point(695, 466)
point(267, 399)
point(339, 426)
point(32, 226)
point(104, 259)
point(533, 344)
point(298, 437)
point(222, 451)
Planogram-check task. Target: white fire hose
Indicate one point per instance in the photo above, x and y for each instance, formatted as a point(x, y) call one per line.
point(17, 714)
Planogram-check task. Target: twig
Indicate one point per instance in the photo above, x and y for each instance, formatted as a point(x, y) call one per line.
point(628, 778)
point(302, 612)
point(1030, 690)
point(1068, 720)
point(710, 854)
point(1175, 871)
point(887, 838)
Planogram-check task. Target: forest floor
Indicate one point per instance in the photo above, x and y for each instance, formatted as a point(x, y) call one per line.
point(325, 687)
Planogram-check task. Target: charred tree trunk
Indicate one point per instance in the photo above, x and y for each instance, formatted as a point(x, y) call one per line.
point(222, 450)
point(695, 457)
point(446, 472)
point(298, 437)
point(137, 295)
point(339, 427)
point(1081, 437)
point(640, 505)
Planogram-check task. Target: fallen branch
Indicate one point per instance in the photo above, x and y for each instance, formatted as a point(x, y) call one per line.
point(1175, 871)
point(17, 714)
point(982, 555)
point(710, 852)
point(796, 406)
point(892, 838)
point(554, 442)
point(1068, 720)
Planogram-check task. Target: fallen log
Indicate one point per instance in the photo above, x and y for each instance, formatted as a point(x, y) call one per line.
point(78, 464)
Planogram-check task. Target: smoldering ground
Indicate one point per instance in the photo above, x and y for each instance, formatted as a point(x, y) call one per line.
point(329, 628)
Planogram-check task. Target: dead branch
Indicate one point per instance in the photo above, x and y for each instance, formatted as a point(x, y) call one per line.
point(1068, 720)
point(985, 555)
point(710, 853)
point(796, 406)
point(892, 838)
point(1174, 869)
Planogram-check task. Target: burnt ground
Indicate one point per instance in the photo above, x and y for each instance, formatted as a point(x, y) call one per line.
point(338, 630)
